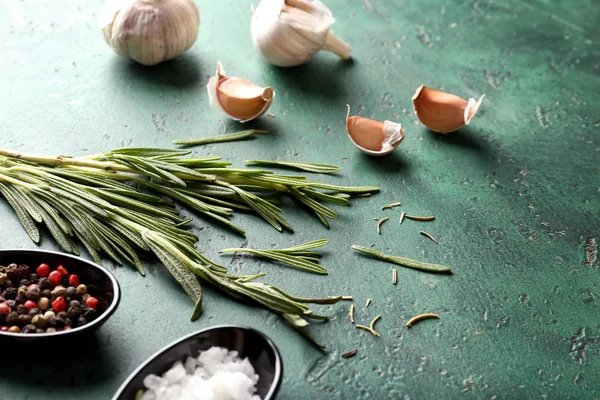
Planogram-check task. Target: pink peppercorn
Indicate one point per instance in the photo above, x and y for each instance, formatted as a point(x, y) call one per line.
point(91, 302)
point(59, 304)
point(4, 309)
point(73, 280)
point(62, 270)
point(55, 278)
point(4, 328)
point(30, 304)
point(43, 270)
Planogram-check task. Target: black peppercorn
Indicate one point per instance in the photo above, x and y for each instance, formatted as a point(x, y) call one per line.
point(74, 312)
point(33, 292)
point(89, 313)
point(11, 271)
point(44, 284)
point(34, 278)
point(10, 293)
point(81, 321)
point(46, 293)
point(21, 309)
point(24, 282)
point(12, 318)
point(11, 303)
point(28, 329)
point(75, 303)
point(72, 293)
point(24, 319)
point(20, 299)
point(57, 322)
point(8, 283)
point(34, 311)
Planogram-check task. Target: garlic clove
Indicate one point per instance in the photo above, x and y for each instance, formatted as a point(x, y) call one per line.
point(443, 112)
point(373, 137)
point(237, 98)
point(150, 31)
point(291, 32)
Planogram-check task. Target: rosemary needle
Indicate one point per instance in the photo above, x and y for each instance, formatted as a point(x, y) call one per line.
point(429, 236)
point(420, 317)
point(368, 302)
point(373, 322)
point(394, 276)
point(366, 328)
point(381, 221)
point(391, 205)
point(405, 262)
point(352, 313)
point(364, 195)
point(415, 218)
point(347, 298)
point(402, 216)
point(228, 137)
point(350, 353)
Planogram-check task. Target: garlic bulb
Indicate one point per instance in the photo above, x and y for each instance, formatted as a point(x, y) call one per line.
point(150, 31)
point(238, 99)
point(443, 112)
point(290, 32)
point(373, 137)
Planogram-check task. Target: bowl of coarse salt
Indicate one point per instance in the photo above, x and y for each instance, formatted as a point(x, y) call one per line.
point(223, 362)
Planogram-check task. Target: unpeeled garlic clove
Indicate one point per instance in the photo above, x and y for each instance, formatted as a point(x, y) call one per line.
point(291, 32)
point(237, 98)
point(443, 112)
point(373, 137)
point(150, 31)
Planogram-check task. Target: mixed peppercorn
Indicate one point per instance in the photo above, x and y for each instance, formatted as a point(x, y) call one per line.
point(46, 300)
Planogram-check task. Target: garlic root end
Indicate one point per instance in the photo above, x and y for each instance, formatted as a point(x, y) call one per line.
point(336, 45)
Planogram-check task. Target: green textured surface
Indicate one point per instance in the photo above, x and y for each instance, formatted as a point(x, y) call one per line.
point(516, 195)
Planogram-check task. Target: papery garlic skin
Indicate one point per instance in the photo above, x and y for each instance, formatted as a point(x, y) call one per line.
point(443, 112)
point(237, 98)
point(373, 137)
point(150, 31)
point(290, 32)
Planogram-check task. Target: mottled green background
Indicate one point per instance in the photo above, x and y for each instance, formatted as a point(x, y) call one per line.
point(516, 195)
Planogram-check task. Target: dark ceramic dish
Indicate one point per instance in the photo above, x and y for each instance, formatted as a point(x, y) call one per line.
point(88, 272)
point(258, 348)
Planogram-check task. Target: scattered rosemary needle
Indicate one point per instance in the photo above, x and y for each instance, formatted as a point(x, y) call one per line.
point(405, 262)
point(350, 353)
point(373, 322)
point(347, 298)
point(352, 313)
point(394, 276)
point(419, 318)
point(402, 216)
point(364, 195)
point(375, 219)
point(429, 236)
point(392, 205)
point(381, 221)
point(228, 137)
point(368, 302)
point(416, 218)
point(271, 115)
point(366, 328)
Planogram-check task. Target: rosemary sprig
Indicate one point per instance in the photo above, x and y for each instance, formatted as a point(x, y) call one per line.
point(405, 262)
point(297, 256)
point(228, 137)
point(121, 204)
point(302, 166)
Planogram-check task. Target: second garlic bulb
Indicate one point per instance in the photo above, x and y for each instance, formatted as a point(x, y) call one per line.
point(291, 32)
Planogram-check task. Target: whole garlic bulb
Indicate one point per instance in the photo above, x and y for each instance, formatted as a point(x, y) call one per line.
point(150, 31)
point(291, 32)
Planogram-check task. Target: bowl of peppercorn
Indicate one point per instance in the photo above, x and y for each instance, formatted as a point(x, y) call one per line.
point(47, 294)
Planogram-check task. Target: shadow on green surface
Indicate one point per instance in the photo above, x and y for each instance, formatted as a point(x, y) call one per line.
point(57, 363)
point(321, 75)
point(184, 71)
point(393, 162)
point(465, 137)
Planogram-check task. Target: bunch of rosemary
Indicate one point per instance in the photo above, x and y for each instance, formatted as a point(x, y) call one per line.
point(121, 203)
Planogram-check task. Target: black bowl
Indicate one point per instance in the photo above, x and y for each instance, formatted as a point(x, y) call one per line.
point(256, 346)
point(89, 274)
